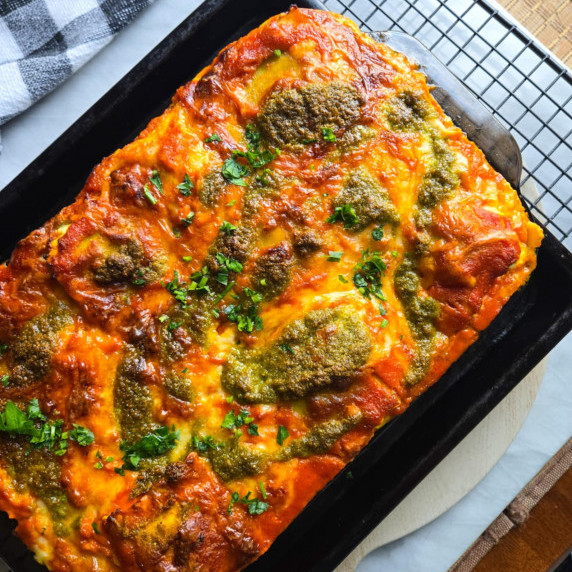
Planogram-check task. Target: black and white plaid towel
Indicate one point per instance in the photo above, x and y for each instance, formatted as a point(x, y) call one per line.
point(42, 42)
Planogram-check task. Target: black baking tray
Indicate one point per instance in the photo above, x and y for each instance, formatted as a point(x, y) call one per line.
point(405, 450)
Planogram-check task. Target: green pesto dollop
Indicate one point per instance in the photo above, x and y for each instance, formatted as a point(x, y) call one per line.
point(369, 200)
point(132, 398)
point(354, 137)
point(180, 387)
point(273, 271)
point(235, 460)
point(212, 188)
point(193, 322)
point(125, 265)
point(420, 313)
point(321, 351)
point(38, 471)
point(33, 347)
point(437, 184)
point(319, 439)
point(293, 117)
point(408, 112)
point(150, 471)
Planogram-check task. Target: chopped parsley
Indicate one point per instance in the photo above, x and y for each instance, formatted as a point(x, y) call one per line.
point(41, 432)
point(344, 213)
point(233, 422)
point(151, 445)
point(81, 435)
point(377, 233)
point(286, 348)
point(255, 505)
point(282, 434)
point(214, 138)
point(384, 323)
point(342, 279)
point(149, 195)
point(328, 135)
point(335, 256)
point(177, 289)
point(263, 490)
point(246, 319)
point(226, 265)
point(277, 53)
point(203, 444)
point(186, 186)
point(187, 220)
point(229, 287)
point(186, 258)
point(95, 527)
point(367, 278)
point(227, 228)
point(155, 178)
point(176, 232)
point(5, 380)
point(231, 203)
point(199, 281)
point(172, 325)
point(233, 171)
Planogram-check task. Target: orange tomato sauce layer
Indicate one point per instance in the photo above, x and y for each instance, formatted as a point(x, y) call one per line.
point(295, 249)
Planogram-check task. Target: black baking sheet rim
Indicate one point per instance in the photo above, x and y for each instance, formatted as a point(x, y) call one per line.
point(402, 452)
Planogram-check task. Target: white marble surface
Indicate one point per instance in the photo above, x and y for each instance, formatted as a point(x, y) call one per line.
point(437, 545)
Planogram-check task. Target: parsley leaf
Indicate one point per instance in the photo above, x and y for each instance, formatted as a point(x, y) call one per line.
point(377, 233)
point(203, 444)
point(186, 186)
point(232, 421)
point(5, 380)
point(233, 171)
point(3, 348)
point(42, 433)
point(287, 348)
point(342, 279)
point(335, 256)
point(367, 279)
point(282, 434)
point(344, 213)
point(149, 195)
point(234, 498)
point(81, 435)
point(255, 505)
point(227, 228)
point(187, 220)
point(151, 445)
point(215, 137)
point(328, 135)
point(155, 178)
point(177, 289)
point(246, 319)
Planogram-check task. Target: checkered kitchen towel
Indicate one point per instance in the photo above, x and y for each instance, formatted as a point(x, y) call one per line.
point(42, 42)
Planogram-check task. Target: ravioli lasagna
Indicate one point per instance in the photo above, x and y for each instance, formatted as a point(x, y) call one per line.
point(299, 246)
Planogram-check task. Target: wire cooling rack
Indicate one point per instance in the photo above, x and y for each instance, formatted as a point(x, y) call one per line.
point(525, 87)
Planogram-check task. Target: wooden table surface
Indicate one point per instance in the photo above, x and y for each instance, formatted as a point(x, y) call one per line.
point(549, 20)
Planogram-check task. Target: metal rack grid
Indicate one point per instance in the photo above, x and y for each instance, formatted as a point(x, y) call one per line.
point(525, 87)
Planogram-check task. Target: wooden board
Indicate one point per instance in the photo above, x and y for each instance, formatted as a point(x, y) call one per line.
point(458, 473)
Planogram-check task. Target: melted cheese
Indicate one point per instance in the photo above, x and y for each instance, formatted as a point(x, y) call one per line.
point(359, 130)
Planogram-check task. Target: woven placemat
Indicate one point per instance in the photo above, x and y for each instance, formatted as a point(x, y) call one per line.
point(518, 511)
point(549, 20)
